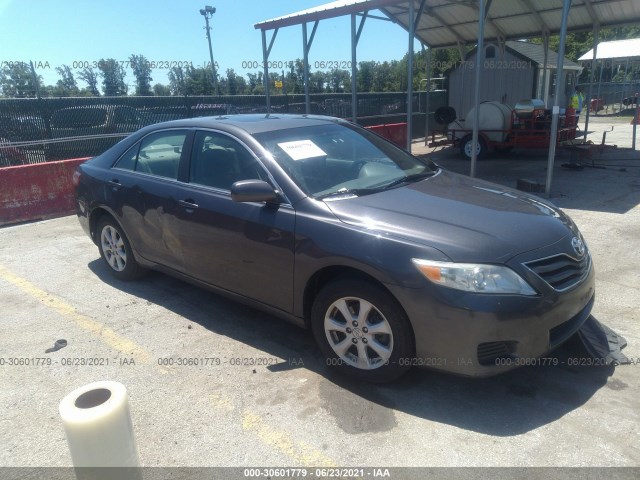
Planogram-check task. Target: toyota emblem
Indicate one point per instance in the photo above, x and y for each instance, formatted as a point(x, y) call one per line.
point(578, 246)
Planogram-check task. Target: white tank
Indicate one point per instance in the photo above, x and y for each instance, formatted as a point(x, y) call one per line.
point(492, 116)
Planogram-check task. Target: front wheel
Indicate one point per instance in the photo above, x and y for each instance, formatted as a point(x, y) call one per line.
point(362, 331)
point(115, 250)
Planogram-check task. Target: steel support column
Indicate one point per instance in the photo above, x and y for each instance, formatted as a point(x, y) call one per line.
point(556, 108)
point(306, 45)
point(412, 30)
point(545, 87)
point(266, 51)
point(307, 102)
point(596, 32)
point(355, 38)
point(354, 71)
point(476, 103)
point(427, 104)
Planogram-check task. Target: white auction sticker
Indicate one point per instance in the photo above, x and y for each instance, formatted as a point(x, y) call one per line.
point(302, 149)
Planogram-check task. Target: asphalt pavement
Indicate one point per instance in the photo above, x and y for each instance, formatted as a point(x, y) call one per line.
point(215, 383)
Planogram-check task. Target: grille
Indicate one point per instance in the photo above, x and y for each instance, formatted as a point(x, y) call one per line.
point(489, 352)
point(561, 271)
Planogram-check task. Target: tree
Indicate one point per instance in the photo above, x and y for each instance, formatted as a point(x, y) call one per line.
point(67, 85)
point(113, 75)
point(255, 86)
point(365, 76)
point(177, 81)
point(142, 71)
point(18, 80)
point(317, 82)
point(90, 76)
point(339, 81)
point(231, 83)
point(160, 90)
point(199, 81)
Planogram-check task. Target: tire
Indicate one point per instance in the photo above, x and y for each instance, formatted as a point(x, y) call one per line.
point(348, 344)
point(116, 251)
point(465, 147)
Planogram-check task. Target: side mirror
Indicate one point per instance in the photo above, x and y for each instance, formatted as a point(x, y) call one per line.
point(253, 191)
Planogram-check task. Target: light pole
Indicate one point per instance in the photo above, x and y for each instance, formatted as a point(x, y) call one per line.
point(207, 12)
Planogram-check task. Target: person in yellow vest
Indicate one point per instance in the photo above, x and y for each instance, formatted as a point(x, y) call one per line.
point(577, 99)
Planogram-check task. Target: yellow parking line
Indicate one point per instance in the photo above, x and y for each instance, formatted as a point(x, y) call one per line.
point(304, 454)
point(108, 336)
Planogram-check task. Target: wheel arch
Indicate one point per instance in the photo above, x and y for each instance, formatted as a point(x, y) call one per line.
point(328, 274)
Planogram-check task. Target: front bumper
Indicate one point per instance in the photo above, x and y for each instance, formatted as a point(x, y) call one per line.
point(483, 335)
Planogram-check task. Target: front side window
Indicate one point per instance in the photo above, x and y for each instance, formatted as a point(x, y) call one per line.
point(219, 161)
point(156, 154)
point(330, 158)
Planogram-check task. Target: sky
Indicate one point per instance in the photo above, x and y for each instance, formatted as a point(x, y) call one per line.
point(81, 32)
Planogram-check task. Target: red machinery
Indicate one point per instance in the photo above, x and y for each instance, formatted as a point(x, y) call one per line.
point(501, 128)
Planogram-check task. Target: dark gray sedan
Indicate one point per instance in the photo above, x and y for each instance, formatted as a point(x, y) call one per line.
point(389, 259)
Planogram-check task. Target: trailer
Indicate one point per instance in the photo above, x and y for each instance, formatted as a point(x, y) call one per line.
point(502, 128)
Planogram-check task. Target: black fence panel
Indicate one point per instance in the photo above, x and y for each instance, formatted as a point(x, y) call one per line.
point(39, 130)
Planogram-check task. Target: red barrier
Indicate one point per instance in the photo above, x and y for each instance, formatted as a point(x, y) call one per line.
point(33, 192)
point(395, 132)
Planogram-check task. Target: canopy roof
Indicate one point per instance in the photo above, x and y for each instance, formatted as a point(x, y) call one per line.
point(615, 49)
point(447, 23)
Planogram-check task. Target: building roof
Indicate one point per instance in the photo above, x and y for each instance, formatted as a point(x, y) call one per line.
point(535, 53)
point(447, 23)
point(615, 49)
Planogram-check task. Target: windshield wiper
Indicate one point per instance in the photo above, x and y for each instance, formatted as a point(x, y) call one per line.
point(409, 179)
point(358, 192)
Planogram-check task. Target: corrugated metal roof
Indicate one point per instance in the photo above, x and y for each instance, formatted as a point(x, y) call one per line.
point(615, 49)
point(446, 23)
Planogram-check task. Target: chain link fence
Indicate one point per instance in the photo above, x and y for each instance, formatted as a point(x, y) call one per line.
point(614, 97)
point(48, 129)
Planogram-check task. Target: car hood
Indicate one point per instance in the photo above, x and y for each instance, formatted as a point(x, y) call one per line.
point(469, 220)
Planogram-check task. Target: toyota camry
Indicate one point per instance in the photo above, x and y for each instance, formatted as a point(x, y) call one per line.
point(390, 260)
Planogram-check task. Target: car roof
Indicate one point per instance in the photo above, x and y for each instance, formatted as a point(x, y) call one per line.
point(252, 123)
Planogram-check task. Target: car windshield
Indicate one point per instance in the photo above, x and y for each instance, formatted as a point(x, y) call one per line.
point(341, 161)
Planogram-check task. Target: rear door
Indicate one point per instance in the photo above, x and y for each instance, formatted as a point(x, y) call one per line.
point(246, 248)
point(144, 189)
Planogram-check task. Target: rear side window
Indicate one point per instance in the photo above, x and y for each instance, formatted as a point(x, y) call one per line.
point(219, 161)
point(157, 154)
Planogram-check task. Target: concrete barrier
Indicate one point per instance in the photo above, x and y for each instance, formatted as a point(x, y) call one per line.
point(38, 191)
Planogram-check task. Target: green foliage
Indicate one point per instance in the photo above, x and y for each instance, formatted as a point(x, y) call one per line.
point(113, 75)
point(90, 76)
point(66, 86)
point(142, 72)
point(18, 80)
point(160, 90)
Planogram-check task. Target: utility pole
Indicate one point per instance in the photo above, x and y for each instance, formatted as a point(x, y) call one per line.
point(207, 12)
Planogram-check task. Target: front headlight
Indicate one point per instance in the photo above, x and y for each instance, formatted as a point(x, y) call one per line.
point(474, 277)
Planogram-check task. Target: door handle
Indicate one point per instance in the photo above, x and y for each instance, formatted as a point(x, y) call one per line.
point(115, 184)
point(189, 204)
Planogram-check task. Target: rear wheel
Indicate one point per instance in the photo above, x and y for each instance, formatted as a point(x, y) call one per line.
point(115, 250)
point(362, 331)
point(466, 148)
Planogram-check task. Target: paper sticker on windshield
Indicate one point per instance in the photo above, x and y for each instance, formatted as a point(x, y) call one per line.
point(302, 149)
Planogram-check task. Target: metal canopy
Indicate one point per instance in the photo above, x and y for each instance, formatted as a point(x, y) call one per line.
point(454, 23)
point(448, 23)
